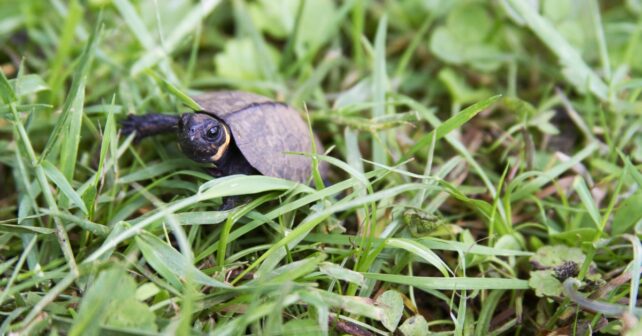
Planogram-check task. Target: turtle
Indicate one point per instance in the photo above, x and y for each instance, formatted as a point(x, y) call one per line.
point(239, 133)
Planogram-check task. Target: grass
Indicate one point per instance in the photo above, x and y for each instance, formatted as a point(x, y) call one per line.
point(485, 169)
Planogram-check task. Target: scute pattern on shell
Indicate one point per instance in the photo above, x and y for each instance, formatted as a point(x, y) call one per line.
point(265, 131)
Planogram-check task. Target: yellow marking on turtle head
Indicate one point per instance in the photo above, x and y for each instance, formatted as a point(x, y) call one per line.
point(222, 148)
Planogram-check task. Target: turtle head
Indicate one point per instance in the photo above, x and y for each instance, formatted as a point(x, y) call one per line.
point(202, 137)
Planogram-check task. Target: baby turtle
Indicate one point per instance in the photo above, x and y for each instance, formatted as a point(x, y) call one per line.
point(240, 133)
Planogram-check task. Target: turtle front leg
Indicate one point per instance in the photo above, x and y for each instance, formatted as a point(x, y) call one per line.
point(149, 124)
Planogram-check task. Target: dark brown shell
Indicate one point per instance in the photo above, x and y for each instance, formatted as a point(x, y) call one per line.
point(264, 131)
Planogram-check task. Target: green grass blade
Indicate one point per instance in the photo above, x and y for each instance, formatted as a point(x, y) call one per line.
point(135, 23)
point(587, 200)
point(522, 190)
point(172, 264)
point(431, 243)
point(379, 89)
point(64, 46)
point(79, 78)
point(486, 314)
point(69, 146)
point(449, 125)
point(312, 221)
point(177, 36)
point(183, 97)
point(61, 233)
point(59, 180)
point(576, 71)
point(340, 273)
point(9, 228)
point(428, 283)
point(421, 251)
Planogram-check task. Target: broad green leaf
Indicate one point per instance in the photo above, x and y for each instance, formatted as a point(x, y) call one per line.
point(28, 84)
point(239, 60)
point(415, 326)
point(146, 291)
point(130, 313)
point(267, 60)
point(635, 330)
point(545, 284)
point(469, 23)
point(392, 304)
point(555, 263)
point(6, 91)
point(557, 10)
point(551, 256)
point(315, 26)
point(278, 18)
point(463, 38)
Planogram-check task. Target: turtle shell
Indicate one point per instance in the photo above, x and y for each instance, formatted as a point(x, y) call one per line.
point(265, 131)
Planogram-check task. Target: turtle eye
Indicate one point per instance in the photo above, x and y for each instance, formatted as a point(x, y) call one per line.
point(213, 133)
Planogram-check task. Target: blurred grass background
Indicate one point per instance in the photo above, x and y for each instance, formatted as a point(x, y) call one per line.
point(485, 169)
